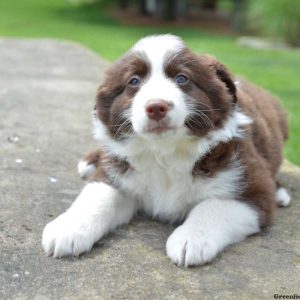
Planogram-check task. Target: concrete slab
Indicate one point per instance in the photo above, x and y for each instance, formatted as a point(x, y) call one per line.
point(47, 89)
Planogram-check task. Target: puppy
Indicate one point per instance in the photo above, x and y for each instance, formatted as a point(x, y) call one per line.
point(182, 142)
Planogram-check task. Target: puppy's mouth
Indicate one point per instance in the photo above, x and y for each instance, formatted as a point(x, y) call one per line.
point(159, 130)
point(158, 127)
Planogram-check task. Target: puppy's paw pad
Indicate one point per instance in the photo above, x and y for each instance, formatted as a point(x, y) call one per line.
point(187, 247)
point(283, 199)
point(85, 169)
point(63, 237)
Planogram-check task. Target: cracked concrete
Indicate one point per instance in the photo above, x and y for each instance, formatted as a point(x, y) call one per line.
point(47, 89)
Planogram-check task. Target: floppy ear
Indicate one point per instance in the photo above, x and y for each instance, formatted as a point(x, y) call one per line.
point(223, 74)
point(226, 77)
point(105, 96)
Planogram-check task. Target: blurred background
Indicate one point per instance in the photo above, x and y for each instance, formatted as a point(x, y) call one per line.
point(256, 39)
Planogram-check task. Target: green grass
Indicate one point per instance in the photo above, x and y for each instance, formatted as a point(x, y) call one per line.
point(89, 25)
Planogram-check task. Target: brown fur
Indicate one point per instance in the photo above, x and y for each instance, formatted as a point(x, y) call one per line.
point(260, 152)
point(106, 165)
point(115, 95)
point(216, 160)
point(211, 89)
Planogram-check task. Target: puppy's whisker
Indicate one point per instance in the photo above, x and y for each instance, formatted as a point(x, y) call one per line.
point(123, 126)
point(193, 104)
point(193, 116)
point(197, 121)
point(213, 109)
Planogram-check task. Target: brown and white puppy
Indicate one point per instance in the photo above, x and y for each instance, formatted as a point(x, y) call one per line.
point(181, 141)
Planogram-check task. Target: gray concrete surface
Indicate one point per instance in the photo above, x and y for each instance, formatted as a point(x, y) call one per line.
point(46, 94)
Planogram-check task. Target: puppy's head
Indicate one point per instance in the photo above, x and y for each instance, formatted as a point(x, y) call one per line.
point(161, 88)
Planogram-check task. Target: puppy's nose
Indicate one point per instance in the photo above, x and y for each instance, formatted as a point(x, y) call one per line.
point(157, 109)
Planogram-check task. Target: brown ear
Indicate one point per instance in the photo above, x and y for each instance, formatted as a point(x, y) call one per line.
point(105, 96)
point(223, 74)
point(226, 77)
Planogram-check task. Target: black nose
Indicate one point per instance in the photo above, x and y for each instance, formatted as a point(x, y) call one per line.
point(157, 109)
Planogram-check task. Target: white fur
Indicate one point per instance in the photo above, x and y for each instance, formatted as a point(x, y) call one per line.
point(233, 128)
point(96, 211)
point(84, 169)
point(210, 227)
point(156, 50)
point(158, 86)
point(282, 197)
point(166, 190)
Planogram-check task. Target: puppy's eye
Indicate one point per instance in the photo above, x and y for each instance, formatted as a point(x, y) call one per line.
point(135, 81)
point(181, 79)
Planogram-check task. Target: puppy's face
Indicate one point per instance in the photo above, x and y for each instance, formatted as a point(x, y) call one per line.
point(161, 88)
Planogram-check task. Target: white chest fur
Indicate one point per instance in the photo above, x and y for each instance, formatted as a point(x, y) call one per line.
point(162, 181)
point(164, 187)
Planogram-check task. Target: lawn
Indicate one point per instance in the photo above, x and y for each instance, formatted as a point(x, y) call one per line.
point(90, 25)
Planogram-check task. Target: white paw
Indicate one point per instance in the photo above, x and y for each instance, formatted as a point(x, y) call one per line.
point(84, 169)
point(66, 236)
point(282, 197)
point(187, 246)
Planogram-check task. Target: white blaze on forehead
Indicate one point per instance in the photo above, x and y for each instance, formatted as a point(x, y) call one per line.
point(156, 50)
point(157, 47)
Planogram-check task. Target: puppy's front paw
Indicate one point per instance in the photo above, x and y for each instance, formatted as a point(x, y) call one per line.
point(187, 246)
point(85, 169)
point(66, 236)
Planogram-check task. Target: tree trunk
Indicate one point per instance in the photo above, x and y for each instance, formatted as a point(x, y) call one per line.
point(210, 4)
point(143, 7)
point(123, 4)
point(182, 8)
point(239, 15)
point(169, 10)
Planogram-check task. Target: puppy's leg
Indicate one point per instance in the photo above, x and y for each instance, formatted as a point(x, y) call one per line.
point(283, 198)
point(210, 227)
point(97, 210)
point(88, 164)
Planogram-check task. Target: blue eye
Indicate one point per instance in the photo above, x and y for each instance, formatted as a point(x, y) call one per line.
point(135, 81)
point(181, 79)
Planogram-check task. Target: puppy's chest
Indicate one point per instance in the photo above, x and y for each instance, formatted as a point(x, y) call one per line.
point(168, 186)
point(164, 187)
